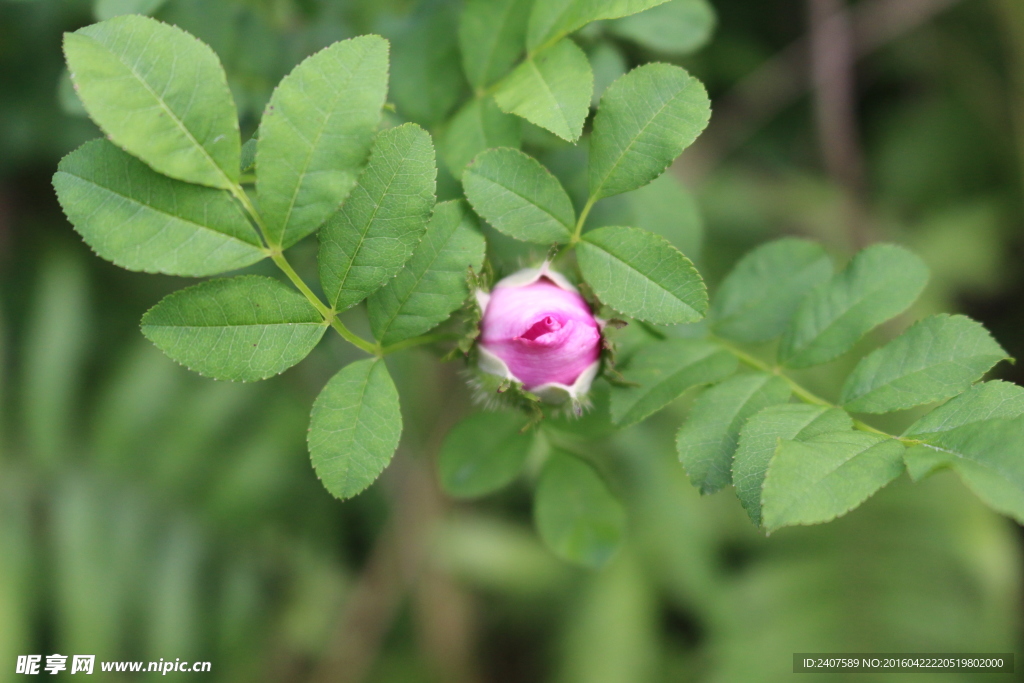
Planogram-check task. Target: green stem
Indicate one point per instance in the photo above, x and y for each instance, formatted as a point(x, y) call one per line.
point(328, 314)
point(799, 391)
point(287, 269)
point(354, 339)
point(418, 341)
point(581, 220)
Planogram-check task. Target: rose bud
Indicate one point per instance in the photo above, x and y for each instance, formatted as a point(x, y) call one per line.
point(536, 329)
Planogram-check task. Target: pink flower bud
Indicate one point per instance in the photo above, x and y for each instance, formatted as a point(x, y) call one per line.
point(538, 330)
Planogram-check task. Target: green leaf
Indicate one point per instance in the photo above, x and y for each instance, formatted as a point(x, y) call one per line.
point(477, 126)
point(105, 9)
point(936, 358)
point(67, 98)
point(642, 275)
point(576, 515)
point(551, 89)
point(427, 79)
point(374, 233)
point(483, 453)
point(608, 64)
point(980, 435)
point(879, 283)
point(160, 94)
point(827, 476)
point(986, 456)
point(517, 195)
point(983, 401)
point(433, 283)
point(760, 437)
point(707, 440)
point(923, 461)
point(491, 35)
point(664, 207)
point(552, 19)
point(240, 329)
point(247, 162)
point(141, 220)
point(662, 371)
point(354, 427)
point(678, 27)
point(646, 119)
point(315, 135)
point(760, 296)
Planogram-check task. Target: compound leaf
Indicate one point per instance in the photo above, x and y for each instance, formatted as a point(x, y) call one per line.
point(662, 371)
point(141, 220)
point(315, 135)
point(370, 238)
point(160, 94)
point(551, 89)
point(483, 453)
point(707, 440)
point(826, 476)
point(646, 119)
point(576, 515)
point(433, 283)
point(758, 298)
point(354, 427)
point(934, 359)
point(879, 283)
point(642, 275)
point(760, 437)
point(517, 195)
point(240, 329)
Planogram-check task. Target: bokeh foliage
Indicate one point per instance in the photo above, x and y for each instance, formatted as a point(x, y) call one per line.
point(148, 513)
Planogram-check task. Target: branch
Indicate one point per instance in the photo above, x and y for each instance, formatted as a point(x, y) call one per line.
point(399, 563)
point(832, 73)
point(391, 569)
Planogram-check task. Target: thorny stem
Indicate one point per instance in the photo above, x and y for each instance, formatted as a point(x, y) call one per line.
point(799, 391)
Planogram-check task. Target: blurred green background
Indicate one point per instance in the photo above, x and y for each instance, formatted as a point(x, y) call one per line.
point(148, 513)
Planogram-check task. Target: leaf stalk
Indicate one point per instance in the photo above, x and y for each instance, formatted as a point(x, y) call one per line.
point(800, 391)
